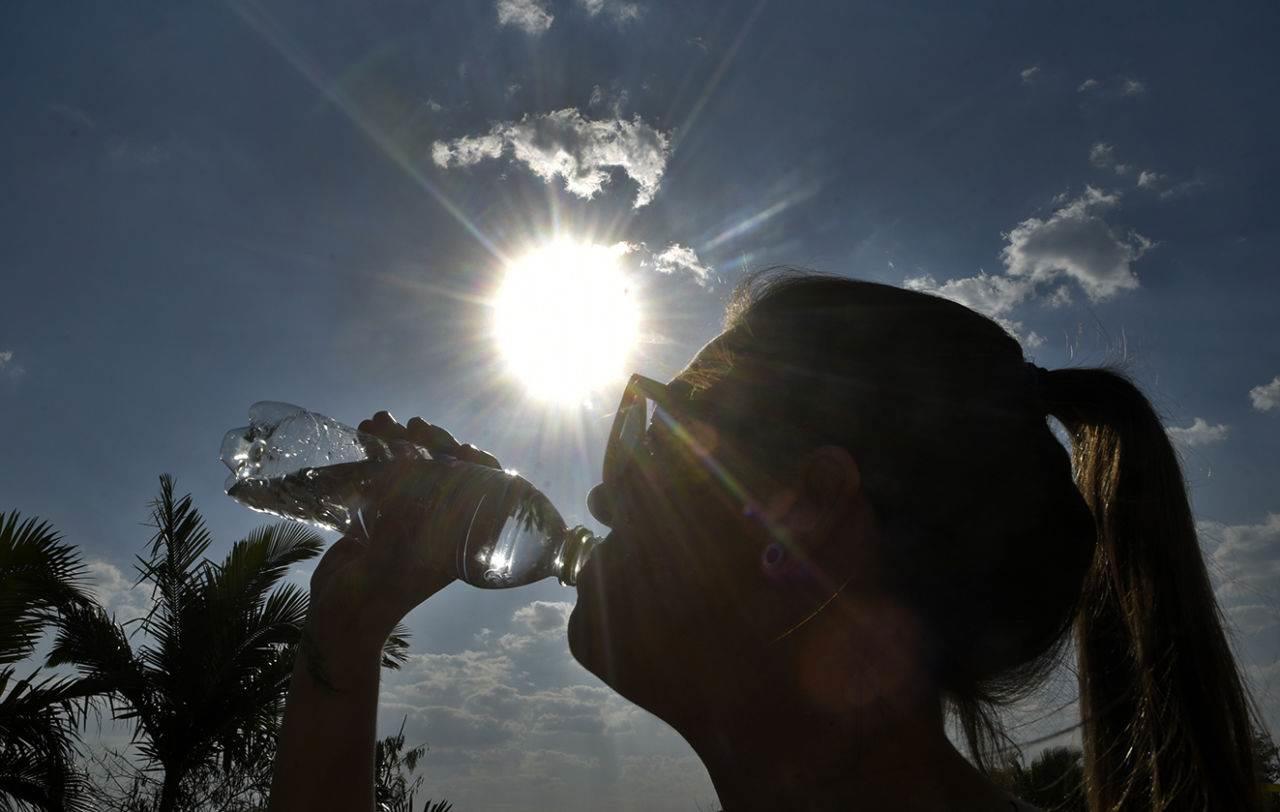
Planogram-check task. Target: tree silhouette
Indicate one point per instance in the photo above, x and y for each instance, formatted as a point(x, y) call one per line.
point(40, 578)
point(205, 689)
point(1054, 781)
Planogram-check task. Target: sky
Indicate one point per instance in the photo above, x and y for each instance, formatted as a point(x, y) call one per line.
point(209, 204)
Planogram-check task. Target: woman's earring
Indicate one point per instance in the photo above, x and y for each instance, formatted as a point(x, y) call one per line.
point(773, 555)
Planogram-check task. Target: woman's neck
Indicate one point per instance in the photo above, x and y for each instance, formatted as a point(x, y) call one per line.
point(819, 761)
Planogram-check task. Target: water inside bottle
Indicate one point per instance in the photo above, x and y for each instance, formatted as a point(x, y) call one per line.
point(506, 532)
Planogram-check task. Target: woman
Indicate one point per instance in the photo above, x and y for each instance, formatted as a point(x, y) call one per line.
point(847, 519)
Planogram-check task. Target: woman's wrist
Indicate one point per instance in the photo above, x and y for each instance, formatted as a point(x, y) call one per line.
point(341, 656)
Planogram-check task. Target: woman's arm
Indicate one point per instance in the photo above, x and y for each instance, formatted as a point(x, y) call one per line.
point(325, 756)
point(360, 590)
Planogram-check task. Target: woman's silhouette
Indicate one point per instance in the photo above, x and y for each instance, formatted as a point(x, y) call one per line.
point(845, 519)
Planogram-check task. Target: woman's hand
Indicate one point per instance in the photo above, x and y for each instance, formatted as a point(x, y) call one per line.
point(362, 587)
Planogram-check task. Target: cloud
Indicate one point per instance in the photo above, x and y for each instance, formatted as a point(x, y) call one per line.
point(993, 296)
point(614, 101)
point(1073, 244)
point(1076, 242)
point(1029, 74)
point(1254, 618)
point(1244, 560)
point(1267, 396)
point(1183, 189)
point(674, 259)
point(1199, 433)
point(1116, 87)
point(8, 367)
point(1149, 180)
point(530, 16)
point(1102, 155)
point(523, 726)
point(538, 622)
point(620, 11)
point(565, 144)
point(677, 258)
point(116, 592)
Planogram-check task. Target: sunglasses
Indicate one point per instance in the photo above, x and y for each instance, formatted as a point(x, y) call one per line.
point(643, 401)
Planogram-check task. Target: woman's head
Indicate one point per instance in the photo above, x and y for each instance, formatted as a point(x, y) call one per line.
point(914, 427)
point(871, 468)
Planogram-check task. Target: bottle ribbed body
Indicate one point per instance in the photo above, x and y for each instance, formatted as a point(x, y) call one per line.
point(505, 531)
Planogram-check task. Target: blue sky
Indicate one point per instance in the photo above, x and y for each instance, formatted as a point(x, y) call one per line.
point(211, 204)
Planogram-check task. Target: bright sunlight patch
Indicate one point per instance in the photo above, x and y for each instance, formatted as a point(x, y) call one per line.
point(565, 320)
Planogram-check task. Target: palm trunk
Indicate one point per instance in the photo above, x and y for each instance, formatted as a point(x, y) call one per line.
point(169, 789)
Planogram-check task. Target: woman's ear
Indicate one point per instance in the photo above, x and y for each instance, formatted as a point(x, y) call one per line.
point(830, 481)
point(826, 486)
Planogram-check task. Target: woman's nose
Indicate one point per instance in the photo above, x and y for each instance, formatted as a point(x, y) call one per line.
point(598, 505)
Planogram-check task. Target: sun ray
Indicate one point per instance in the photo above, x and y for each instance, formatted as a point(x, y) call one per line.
point(258, 19)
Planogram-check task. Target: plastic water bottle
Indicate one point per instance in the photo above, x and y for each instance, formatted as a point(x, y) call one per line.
point(300, 465)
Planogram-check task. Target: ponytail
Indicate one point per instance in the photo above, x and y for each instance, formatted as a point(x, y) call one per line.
point(1167, 719)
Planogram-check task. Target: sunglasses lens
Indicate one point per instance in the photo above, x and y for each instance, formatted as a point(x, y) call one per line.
point(635, 422)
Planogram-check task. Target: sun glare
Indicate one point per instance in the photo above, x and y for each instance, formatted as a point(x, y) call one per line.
point(565, 319)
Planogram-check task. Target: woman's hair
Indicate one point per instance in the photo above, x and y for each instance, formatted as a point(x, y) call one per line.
point(1000, 539)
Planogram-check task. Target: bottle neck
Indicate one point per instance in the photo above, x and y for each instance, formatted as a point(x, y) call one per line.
point(575, 548)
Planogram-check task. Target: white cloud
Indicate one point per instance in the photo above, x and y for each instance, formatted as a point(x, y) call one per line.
point(8, 367)
point(1073, 244)
point(1076, 242)
point(537, 622)
point(619, 11)
point(1244, 559)
point(565, 144)
point(1149, 180)
point(674, 259)
point(525, 727)
point(614, 101)
point(1244, 567)
point(1267, 396)
point(993, 296)
point(116, 591)
point(1103, 156)
point(1184, 188)
point(1199, 433)
point(1254, 618)
point(530, 16)
point(1029, 74)
point(1117, 87)
point(678, 258)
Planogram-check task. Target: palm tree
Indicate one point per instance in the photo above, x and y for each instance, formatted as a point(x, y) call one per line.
point(1054, 781)
point(206, 688)
point(40, 577)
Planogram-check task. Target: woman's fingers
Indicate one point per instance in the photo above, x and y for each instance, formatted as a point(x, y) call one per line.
point(470, 453)
point(433, 438)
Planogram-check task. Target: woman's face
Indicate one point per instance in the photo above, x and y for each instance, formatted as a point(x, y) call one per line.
point(676, 596)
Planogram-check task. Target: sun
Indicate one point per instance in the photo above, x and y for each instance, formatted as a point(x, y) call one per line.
point(565, 319)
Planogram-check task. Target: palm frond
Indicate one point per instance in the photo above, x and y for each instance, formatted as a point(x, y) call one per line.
point(395, 652)
point(39, 574)
point(99, 648)
point(37, 734)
